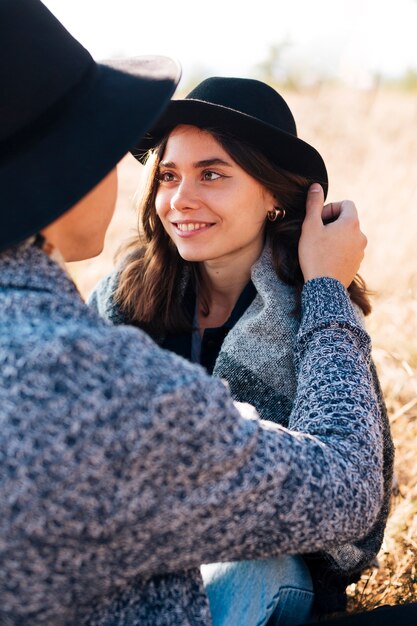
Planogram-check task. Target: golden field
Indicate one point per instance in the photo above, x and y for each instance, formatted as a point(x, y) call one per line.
point(369, 142)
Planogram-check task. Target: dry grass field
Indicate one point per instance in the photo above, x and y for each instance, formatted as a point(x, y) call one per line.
point(369, 142)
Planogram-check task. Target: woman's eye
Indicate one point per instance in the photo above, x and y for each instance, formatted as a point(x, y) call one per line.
point(166, 177)
point(209, 175)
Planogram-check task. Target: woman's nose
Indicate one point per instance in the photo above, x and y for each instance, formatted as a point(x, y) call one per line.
point(185, 197)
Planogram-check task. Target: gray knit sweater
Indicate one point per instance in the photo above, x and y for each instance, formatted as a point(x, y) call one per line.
point(123, 467)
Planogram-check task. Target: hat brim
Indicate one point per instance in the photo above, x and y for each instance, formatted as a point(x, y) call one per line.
point(50, 166)
point(285, 150)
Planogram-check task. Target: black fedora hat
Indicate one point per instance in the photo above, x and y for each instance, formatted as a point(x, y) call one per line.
point(65, 120)
point(252, 111)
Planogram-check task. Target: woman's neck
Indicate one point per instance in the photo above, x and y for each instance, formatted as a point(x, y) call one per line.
point(224, 280)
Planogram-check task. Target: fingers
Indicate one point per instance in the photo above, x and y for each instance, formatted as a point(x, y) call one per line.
point(345, 210)
point(331, 243)
point(348, 212)
point(314, 203)
point(331, 212)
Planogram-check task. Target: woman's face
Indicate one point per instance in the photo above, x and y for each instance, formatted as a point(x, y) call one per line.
point(209, 206)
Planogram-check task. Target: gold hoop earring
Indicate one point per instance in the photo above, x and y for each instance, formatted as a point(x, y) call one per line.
point(276, 214)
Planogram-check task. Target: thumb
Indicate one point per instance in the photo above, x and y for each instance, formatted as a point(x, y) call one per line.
point(314, 203)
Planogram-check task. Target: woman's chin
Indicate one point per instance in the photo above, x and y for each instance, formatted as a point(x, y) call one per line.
point(194, 256)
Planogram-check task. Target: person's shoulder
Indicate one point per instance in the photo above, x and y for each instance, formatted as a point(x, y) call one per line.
point(96, 355)
point(124, 362)
point(123, 351)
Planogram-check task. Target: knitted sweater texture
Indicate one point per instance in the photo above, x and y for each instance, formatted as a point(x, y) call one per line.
point(123, 467)
point(257, 361)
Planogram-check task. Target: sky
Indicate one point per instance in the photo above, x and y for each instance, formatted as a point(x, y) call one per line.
point(350, 39)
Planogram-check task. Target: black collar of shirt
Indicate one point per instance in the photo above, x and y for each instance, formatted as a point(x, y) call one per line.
point(212, 339)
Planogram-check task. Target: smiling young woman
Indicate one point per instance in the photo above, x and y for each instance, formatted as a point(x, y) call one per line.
point(214, 275)
point(210, 207)
point(215, 213)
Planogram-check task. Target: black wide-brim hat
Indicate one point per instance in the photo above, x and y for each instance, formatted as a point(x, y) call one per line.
point(65, 120)
point(251, 111)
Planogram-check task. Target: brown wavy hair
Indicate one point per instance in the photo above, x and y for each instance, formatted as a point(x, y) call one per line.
point(153, 272)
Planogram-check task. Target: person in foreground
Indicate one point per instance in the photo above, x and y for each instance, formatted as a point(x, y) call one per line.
point(214, 276)
point(124, 467)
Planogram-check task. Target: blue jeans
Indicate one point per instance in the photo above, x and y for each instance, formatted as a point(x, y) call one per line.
point(276, 591)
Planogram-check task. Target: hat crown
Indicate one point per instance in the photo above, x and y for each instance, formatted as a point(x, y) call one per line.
point(248, 110)
point(65, 120)
point(43, 63)
point(247, 96)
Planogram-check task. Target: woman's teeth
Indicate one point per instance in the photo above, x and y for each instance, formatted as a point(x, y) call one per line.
point(191, 226)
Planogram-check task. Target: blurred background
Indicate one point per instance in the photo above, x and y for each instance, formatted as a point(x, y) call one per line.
point(357, 42)
point(348, 70)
